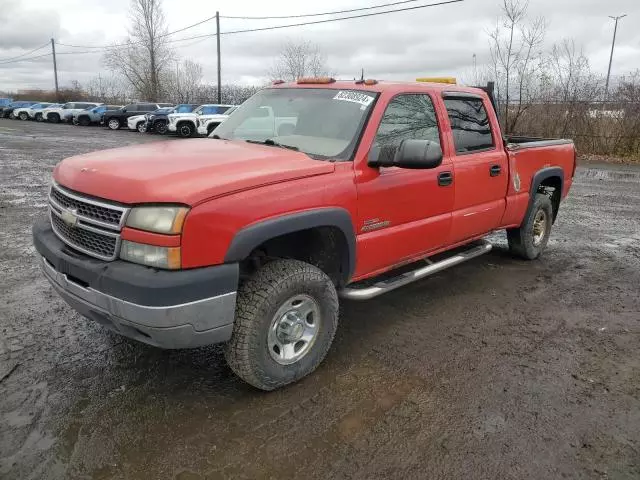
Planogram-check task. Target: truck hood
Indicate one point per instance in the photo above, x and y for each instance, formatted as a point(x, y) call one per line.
point(187, 172)
point(175, 116)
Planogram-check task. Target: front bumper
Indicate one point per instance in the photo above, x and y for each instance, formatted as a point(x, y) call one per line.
point(202, 130)
point(179, 309)
point(172, 127)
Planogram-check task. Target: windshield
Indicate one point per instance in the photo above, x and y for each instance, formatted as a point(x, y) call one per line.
point(323, 123)
point(163, 110)
point(184, 108)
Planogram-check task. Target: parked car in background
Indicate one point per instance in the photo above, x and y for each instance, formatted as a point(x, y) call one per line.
point(185, 124)
point(39, 115)
point(7, 112)
point(137, 122)
point(3, 103)
point(115, 119)
point(157, 121)
point(29, 113)
point(92, 115)
point(208, 123)
point(66, 111)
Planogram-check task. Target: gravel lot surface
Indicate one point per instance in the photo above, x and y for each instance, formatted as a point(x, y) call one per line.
point(496, 369)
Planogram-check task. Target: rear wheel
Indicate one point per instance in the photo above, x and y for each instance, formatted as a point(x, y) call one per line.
point(160, 127)
point(23, 116)
point(53, 118)
point(39, 117)
point(185, 129)
point(286, 318)
point(84, 121)
point(141, 127)
point(113, 124)
point(531, 238)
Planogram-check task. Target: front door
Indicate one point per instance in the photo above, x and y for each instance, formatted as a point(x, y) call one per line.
point(480, 168)
point(403, 214)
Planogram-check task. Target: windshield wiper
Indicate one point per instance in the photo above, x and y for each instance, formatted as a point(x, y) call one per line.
point(270, 141)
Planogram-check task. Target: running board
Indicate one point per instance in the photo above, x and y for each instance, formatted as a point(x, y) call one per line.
point(385, 286)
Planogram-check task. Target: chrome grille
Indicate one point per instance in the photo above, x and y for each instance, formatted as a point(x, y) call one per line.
point(86, 207)
point(95, 244)
point(89, 226)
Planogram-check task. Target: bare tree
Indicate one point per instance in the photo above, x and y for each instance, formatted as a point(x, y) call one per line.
point(111, 89)
point(145, 55)
point(297, 60)
point(514, 46)
point(184, 83)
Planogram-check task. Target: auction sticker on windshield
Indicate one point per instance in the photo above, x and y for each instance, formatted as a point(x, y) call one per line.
point(355, 97)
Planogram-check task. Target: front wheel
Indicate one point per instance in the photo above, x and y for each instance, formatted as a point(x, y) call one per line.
point(185, 130)
point(23, 116)
point(160, 127)
point(286, 318)
point(141, 127)
point(113, 124)
point(53, 118)
point(531, 238)
point(39, 117)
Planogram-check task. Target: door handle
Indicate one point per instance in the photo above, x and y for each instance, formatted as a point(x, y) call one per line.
point(445, 178)
point(495, 170)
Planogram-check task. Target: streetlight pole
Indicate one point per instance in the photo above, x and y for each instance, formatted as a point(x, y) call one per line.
point(613, 44)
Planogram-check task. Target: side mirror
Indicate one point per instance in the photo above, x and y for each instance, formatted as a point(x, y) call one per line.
point(414, 154)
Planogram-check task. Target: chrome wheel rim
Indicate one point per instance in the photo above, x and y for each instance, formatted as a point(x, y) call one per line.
point(294, 329)
point(113, 124)
point(142, 128)
point(539, 227)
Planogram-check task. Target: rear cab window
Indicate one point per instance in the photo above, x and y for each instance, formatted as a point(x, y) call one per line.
point(470, 124)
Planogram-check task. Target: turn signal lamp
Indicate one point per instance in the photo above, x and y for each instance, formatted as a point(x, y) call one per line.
point(450, 80)
point(304, 80)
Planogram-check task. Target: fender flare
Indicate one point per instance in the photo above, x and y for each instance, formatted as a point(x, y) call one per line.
point(538, 178)
point(250, 237)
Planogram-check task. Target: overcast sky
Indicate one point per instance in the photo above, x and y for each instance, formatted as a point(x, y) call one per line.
point(431, 41)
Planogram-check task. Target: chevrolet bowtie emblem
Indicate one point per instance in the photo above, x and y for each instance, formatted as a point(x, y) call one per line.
point(69, 217)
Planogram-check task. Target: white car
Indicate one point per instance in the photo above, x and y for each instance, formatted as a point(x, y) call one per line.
point(29, 113)
point(186, 124)
point(66, 111)
point(208, 123)
point(137, 122)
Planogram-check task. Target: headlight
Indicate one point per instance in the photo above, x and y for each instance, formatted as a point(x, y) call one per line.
point(168, 219)
point(151, 255)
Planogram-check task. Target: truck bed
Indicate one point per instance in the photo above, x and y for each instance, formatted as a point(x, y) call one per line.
point(516, 142)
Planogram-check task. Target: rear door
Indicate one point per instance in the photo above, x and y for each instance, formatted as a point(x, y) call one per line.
point(480, 167)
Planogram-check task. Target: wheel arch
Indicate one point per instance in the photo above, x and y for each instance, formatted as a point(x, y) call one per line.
point(550, 177)
point(331, 226)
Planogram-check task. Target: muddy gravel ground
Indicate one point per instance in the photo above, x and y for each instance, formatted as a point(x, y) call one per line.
point(496, 369)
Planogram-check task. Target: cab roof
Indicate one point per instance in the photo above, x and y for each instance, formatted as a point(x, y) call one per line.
point(393, 87)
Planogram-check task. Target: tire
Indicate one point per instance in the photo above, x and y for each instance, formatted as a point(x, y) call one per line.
point(23, 116)
point(84, 121)
point(140, 127)
point(39, 117)
point(53, 118)
point(185, 129)
point(267, 298)
point(211, 127)
point(113, 124)
point(531, 238)
point(160, 127)
point(12, 116)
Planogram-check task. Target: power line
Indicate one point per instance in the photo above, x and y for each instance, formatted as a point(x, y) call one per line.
point(2, 60)
point(322, 13)
point(276, 27)
point(28, 58)
point(363, 15)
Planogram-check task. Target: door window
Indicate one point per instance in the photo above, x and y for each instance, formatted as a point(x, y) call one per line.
point(407, 117)
point(469, 124)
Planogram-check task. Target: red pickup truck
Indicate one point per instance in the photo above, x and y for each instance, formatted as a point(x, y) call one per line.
point(307, 193)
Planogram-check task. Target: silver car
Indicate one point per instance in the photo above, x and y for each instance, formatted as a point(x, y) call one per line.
point(92, 115)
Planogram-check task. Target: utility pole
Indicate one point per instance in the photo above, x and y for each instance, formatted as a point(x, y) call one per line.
point(55, 67)
point(218, 42)
point(613, 44)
